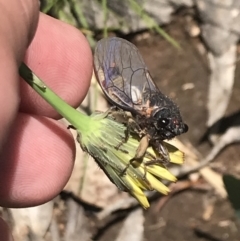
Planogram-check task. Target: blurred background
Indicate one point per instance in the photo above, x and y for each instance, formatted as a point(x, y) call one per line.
point(191, 49)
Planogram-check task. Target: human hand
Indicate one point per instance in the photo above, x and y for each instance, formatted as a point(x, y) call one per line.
point(37, 152)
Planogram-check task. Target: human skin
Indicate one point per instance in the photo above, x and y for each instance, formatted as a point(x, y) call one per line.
point(36, 151)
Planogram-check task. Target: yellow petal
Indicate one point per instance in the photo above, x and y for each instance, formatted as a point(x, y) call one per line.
point(137, 192)
point(156, 184)
point(161, 172)
point(176, 156)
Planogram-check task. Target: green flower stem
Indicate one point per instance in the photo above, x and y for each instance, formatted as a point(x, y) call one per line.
point(79, 120)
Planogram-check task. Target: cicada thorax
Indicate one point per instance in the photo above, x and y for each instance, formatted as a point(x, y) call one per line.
point(164, 118)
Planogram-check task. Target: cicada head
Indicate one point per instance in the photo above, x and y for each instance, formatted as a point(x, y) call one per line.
point(168, 122)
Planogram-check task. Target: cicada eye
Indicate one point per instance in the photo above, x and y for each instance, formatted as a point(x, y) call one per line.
point(163, 122)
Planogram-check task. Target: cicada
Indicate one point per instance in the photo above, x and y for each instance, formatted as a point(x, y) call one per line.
point(127, 84)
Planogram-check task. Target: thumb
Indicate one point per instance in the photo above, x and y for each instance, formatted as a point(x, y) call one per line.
point(18, 21)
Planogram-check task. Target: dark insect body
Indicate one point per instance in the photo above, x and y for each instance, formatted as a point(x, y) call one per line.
point(127, 84)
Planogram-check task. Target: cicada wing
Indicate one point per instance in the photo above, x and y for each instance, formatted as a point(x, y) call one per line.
point(122, 73)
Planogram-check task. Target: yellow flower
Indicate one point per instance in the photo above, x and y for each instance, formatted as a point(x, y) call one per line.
point(101, 139)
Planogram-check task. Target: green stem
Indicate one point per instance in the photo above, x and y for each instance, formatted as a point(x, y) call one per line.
point(105, 12)
point(77, 119)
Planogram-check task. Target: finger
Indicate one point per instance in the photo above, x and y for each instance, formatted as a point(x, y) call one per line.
point(18, 20)
point(60, 55)
point(36, 162)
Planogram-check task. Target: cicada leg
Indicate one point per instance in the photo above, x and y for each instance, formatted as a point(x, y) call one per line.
point(133, 127)
point(164, 158)
point(140, 152)
point(118, 114)
point(125, 118)
point(143, 145)
point(71, 127)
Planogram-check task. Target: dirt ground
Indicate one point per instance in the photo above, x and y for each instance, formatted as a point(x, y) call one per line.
point(181, 219)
